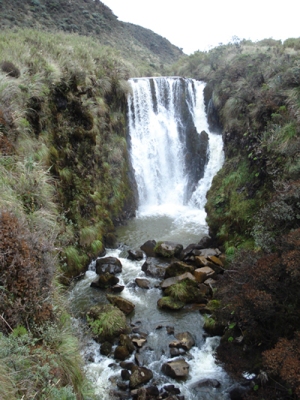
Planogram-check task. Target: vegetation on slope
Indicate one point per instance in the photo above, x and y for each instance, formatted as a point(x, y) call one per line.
point(253, 207)
point(65, 182)
point(92, 18)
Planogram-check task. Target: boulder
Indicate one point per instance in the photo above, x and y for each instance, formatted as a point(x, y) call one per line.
point(178, 268)
point(139, 342)
point(186, 340)
point(117, 288)
point(178, 369)
point(124, 305)
point(168, 249)
point(200, 275)
point(210, 252)
point(206, 382)
point(216, 260)
point(105, 348)
point(142, 283)
point(169, 303)
point(111, 265)
point(105, 281)
point(152, 267)
point(126, 341)
point(140, 375)
point(210, 273)
point(172, 281)
point(175, 352)
point(205, 242)
point(148, 248)
point(186, 290)
point(188, 251)
point(135, 255)
point(106, 322)
point(121, 353)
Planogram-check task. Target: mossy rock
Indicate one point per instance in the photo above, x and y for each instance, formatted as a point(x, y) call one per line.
point(168, 249)
point(106, 322)
point(186, 291)
point(169, 303)
point(178, 268)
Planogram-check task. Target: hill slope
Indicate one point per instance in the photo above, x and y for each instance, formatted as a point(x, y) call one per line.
point(92, 18)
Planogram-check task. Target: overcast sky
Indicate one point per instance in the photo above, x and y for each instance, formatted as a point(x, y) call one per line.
point(196, 25)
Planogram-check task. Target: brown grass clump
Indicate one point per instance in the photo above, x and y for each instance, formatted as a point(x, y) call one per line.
point(25, 275)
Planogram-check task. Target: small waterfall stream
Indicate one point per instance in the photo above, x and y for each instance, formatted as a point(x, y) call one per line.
point(172, 196)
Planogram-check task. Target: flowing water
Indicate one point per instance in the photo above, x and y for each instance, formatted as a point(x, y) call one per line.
point(165, 212)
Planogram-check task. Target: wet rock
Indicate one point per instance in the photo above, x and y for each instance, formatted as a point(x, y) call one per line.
point(209, 272)
point(210, 252)
point(125, 375)
point(188, 251)
point(121, 353)
point(171, 389)
point(117, 288)
point(148, 248)
point(124, 305)
point(152, 267)
point(174, 352)
point(201, 261)
point(111, 265)
point(152, 391)
point(105, 348)
point(186, 340)
point(172, 281)
point(122, 385)
point(216, 260)
point(139, 342)
point(139, 359)
point(127, 365)
point(168, 249)
point(140, 376)
point(105, 281)
point(170, 330)
point(142, 283)
point(178, 268)
point(135, 255)
point(205, 242)
point(178, 369)
point(169, 303)
point(214, 383)
point(126, 341)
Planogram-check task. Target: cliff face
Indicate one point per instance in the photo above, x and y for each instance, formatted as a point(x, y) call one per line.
point(150, 51)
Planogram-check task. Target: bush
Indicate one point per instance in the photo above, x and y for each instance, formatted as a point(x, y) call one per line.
point(10, 69)
point(25, 275)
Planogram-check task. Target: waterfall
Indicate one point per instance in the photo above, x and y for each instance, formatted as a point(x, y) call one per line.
point(173, 153)
point(174, 157)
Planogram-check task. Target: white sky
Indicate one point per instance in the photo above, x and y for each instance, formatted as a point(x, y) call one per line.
point(197, 25)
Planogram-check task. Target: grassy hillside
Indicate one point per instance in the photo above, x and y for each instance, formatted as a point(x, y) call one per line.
point(92, 18)
point(65, 182)
point(253, 97)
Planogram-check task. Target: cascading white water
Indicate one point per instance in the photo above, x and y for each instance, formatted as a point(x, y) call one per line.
point(158, 152)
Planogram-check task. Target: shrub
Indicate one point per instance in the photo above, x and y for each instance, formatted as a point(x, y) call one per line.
point(10, 69)
point(25, 275)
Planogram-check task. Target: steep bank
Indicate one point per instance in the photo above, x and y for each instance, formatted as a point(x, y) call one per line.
point(65, 181)
point(253, 96)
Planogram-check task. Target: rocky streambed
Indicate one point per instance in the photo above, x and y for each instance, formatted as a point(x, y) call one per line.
point(146, 312)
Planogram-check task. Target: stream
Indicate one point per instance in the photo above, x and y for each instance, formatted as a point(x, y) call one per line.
point(168, 210)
